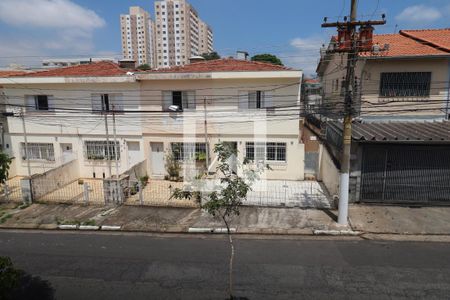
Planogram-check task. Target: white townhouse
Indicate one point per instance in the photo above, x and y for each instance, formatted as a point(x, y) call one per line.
point(185, 110)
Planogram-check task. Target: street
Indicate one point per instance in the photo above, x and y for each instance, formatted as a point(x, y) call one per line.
point(125, 266)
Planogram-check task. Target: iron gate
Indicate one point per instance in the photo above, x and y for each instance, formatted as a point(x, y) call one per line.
point(406, 174)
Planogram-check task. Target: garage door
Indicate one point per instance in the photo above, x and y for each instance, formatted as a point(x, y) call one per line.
point(406, 174)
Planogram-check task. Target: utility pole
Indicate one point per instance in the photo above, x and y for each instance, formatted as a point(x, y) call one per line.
point(22, 115)
point(116, 149)
point(352, 42)
point(206, 136)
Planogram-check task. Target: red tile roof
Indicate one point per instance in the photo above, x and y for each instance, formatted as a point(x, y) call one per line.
point(439, 38)
point(102, 68)
point(222, 65)
point(400, 46)
point(8, 73)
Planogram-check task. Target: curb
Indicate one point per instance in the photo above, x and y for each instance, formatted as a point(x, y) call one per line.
point(88, 227)
point(110, 227)
point(337, 232)
point(209, 230)
point(68, 227)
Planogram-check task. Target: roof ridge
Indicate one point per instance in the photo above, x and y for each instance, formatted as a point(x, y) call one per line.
point(76, 66)
point(426, 29)
point(426, 41)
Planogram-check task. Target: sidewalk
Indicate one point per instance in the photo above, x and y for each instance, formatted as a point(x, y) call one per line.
point(252, 220)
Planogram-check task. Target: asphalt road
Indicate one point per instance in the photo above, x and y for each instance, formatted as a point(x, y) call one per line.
point(100, 266)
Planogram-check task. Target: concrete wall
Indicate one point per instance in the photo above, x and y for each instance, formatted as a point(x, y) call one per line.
point(52, 180)
point(328, 173)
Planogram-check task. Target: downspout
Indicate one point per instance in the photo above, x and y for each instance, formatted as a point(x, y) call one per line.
point(447, 108)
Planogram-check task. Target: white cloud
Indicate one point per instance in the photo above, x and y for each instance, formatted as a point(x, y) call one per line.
point(46, 28)
point(305, 54)
point(48, 14)
point(419, 14)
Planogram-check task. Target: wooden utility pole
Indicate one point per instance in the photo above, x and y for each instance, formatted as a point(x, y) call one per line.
point(352, 43)
point(206, 135)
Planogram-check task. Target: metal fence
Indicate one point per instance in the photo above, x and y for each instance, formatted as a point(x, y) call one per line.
point(278, 193)
point(11, 191)
point(81, 191)
point(156, 193)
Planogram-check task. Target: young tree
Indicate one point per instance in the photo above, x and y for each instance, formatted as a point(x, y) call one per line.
point(225, 200)
point(5, 162)
point(269, 58)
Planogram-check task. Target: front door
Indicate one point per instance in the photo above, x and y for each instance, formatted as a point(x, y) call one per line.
point(134, 153)
point(67, 152)
point(157, 159)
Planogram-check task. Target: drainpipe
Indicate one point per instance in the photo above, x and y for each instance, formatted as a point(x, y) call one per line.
point(447, 108)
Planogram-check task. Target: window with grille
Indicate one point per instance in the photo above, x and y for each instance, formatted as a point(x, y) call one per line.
point(99, 150)
point(187, 151)
point(265, 151)
point(38, 151)
point(405, 84)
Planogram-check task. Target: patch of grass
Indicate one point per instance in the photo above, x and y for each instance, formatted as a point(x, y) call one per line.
point(4, 218)
point(88, 223)
point(24, 205)
point(70, 222)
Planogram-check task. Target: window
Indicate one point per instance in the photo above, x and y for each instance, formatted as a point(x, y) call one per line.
point(106, 102)
point(98, 150)
point(38, 151)
point(255, 100)
point(261, 151)
point(182, 99)
point(38, 102)
point(405, 84)
point(187, 151)
point(41, 102)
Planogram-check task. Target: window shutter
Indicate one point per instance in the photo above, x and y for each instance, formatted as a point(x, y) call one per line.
point(117, 101)
point(51, 103)
point(167, 99)
point(267, 99)
point(243, 100)
point(30, 102)
point(191, 101)
point(96, 103)
point(185, 100)
point(252, 100)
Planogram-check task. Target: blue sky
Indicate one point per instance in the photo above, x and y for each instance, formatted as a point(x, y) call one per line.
point(288, 28)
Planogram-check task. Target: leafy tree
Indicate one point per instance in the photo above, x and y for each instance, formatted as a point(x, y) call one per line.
point(269, 58)
point(225, 200)
point(144, 67)
point(16, 284)
point(211, 56)
point(5, 162)
point(173, 166)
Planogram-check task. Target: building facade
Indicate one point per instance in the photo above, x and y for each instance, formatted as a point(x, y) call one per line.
point(109, 119)
point(404, 77)
point(180, 33)
point(138, 34)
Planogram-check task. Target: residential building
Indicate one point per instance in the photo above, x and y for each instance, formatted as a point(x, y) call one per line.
point(405, 76)
point(400, 131)
point(180, 33)
point(205, 39)
point(250, 105)
point(138, 34)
